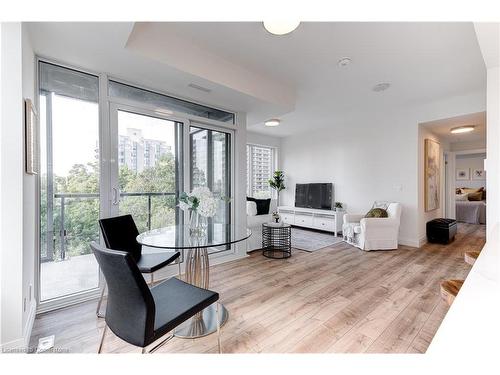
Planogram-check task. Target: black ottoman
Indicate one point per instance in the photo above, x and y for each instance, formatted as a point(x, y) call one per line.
point(441, 230)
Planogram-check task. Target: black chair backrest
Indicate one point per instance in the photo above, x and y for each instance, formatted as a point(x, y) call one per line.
point(120, 233)
point(130, 311)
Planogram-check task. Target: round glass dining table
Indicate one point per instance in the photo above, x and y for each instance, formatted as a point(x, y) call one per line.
point(195, 249)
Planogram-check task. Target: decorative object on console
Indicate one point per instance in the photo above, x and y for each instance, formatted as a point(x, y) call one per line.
point(201, 204)
point(432, 175)
point(278, 183)
point(463, 174)
point(478, 174)
point(373, 233)
point(339, 206)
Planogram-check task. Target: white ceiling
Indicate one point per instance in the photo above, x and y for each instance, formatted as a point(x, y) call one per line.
point(442, 128)
point(422, 61)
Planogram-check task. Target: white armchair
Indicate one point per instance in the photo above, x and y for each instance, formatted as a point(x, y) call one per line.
point(373, 233)
point(254, 223)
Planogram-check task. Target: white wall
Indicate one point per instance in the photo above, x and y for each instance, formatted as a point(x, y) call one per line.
point(470, 162)
point(11, 190)
point(464, 146)
point(493, 150)
point(29, 198)
point(374, 156)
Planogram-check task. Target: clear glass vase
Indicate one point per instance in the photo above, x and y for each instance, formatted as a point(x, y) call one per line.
point(197, 224)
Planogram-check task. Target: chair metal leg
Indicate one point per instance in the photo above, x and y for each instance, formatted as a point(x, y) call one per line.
point(152, 278)
point(218, 327)
point(180, 272)
point(98, 310)
point(155, 348)
point(102, 338)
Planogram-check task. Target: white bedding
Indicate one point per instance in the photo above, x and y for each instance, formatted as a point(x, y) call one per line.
point(472, 212)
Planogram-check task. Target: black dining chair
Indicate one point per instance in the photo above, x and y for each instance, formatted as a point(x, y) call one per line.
point(120, 233)
point(142, 316)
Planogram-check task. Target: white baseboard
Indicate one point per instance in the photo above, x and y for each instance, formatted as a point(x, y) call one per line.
point(422, 241)
point(409, 242)
point(21, 344)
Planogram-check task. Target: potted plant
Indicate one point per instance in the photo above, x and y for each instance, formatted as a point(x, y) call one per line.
point(278, 183)
point(339, 206)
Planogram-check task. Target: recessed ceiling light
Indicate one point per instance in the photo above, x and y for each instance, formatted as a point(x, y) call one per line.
point(280, 27)
point(381, 86)
point(462, 129)
point(272, 122)
point(344, 61)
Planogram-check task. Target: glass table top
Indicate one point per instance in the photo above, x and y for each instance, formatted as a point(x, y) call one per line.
point(178, 236)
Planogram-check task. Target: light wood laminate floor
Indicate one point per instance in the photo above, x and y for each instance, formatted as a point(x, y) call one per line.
point(338, 299)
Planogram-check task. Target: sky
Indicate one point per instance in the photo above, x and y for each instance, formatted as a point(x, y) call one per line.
point(75, 131)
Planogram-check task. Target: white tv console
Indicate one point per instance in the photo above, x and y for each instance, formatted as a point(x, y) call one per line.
point(330, 221)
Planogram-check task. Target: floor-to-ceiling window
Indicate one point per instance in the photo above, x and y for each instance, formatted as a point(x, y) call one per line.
point(260, 168)
point(69, 180)
point(121, 149)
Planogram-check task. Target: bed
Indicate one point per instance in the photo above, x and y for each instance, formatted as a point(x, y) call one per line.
point(472, 212)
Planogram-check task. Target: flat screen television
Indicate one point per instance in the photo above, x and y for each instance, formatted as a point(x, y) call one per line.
point(317, 195)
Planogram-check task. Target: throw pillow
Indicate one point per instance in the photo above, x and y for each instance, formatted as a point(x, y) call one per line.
point(377, 213)
point(469, 190)
point(251, 208)
point(381, 204)
point(461, 197)
point(262, 205)
point(477, 196)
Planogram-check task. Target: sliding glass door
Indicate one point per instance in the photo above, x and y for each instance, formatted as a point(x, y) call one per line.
point(147, 177)
point(210, 154)
point(69, 181)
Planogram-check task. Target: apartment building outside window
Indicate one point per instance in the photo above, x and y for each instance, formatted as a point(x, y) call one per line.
point(261, 164)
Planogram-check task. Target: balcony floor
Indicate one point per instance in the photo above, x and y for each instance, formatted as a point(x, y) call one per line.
point(76, 274)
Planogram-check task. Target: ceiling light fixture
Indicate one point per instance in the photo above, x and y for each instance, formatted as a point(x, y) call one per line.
point(280, 27)
point(462, 129)
point(381, 86)
point(272, 122)
point(344, 61)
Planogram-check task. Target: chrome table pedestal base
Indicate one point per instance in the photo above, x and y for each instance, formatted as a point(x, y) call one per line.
point(202, 324)
point(198, 274)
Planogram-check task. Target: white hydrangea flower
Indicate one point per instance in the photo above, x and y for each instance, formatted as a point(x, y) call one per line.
point(207, 207)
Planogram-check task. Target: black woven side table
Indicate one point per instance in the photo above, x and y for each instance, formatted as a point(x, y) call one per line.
point(277, 241)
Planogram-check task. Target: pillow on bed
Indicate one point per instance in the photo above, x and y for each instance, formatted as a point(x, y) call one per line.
point(461, 197)
point(469, 190)
point(477, 196)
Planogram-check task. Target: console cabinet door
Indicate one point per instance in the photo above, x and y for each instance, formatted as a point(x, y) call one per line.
point(324, 223)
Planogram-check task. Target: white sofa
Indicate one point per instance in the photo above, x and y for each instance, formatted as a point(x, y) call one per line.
point(373, 233)
point(254, 223)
